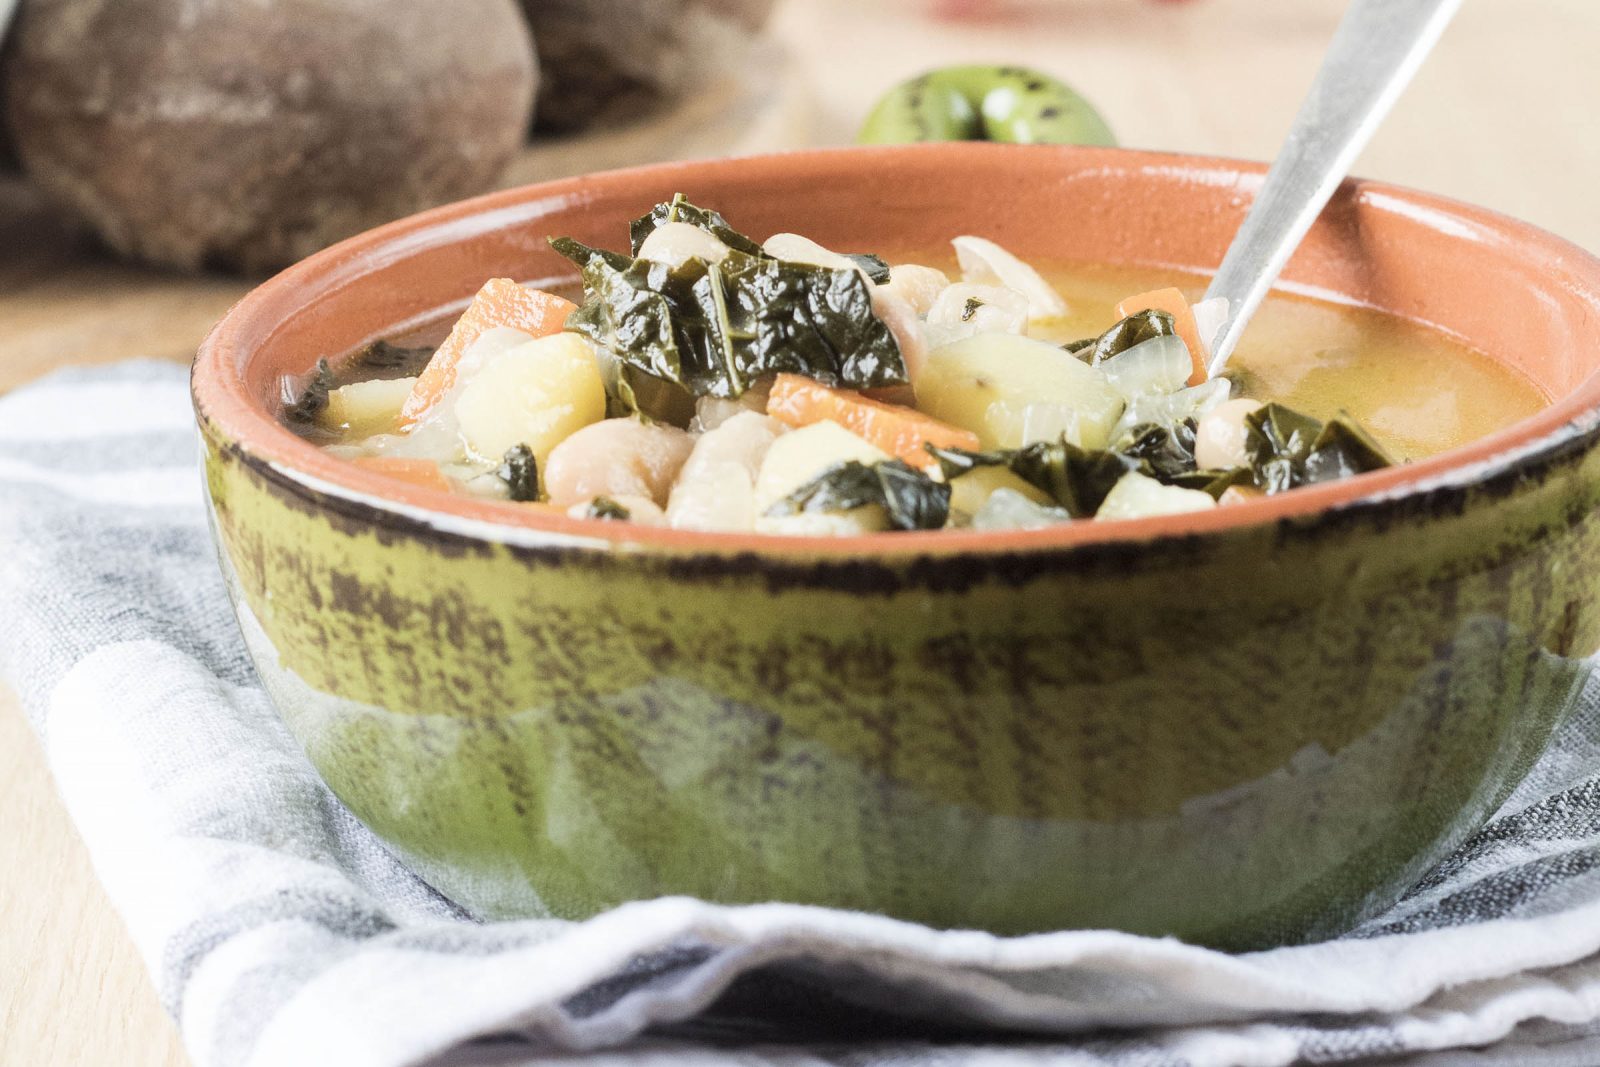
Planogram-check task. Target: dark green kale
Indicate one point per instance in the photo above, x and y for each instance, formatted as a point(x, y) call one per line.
point(312, 399)
point(714, 328)
point(911, 499)
point(678, 209)
point(877, 270)
point(385, 356)
point(1079, 479)
point(1288, 449)
point(1130, 331)
point(520, 471)
point(603, 507)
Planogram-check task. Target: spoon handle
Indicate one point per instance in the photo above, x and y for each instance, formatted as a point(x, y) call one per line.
point(1377, 48)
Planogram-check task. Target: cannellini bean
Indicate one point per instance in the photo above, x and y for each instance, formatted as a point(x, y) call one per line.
point(897, 313)
point(615, 458)
point(715, 489)
point(917, 285)
point(675, 243)
point(641, 509)
point(1219, 436)
point(796, 249)
point(986, 263)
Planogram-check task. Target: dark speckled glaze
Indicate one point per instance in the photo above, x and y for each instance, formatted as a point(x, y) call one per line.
point(1248, 728)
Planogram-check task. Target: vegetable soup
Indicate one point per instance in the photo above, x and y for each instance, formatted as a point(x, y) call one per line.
point(706, 381)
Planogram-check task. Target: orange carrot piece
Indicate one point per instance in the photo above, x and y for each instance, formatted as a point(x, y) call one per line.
point(424, 473)
point(899, 431)
point(501, 302)
point(1173, 303)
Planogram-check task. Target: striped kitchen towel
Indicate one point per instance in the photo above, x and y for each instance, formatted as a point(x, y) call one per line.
point(279, 932)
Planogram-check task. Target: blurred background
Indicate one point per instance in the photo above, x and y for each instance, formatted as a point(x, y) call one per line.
point(154, 161)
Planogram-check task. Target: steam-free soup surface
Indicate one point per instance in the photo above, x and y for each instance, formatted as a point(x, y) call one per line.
point(1415, 389)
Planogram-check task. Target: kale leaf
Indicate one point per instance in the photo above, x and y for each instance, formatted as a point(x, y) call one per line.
point(1079, 479)
point(678, 209)
point(520, 471)
point(911, 499)
point(1123, 335)
point(387, 356)
point(1288, 449)
point(312, 399)
point(877, 270)
point(603, 507)
point(714, 328)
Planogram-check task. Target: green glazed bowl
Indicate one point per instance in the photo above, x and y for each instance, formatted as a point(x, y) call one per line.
point(1254, 726)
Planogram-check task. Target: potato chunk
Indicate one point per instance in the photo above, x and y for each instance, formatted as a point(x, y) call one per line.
point(362, 409)
point(1013, 390)
point(536, 394)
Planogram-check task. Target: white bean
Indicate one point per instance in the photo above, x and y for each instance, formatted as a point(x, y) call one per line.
point(615, 458)
point(716, 487)
point(675, 243)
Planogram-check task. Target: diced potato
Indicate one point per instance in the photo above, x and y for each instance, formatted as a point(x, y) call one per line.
point(970, 491)
point(799, 456)
point(1136, 496)
point(1010, 390)
point(1006, 510)
point(362, 409)
point(535, 394)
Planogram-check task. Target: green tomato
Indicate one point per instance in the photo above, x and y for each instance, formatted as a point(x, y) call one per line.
point(976, 103)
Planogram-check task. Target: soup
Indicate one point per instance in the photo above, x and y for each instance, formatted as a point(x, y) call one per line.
point(705, 381)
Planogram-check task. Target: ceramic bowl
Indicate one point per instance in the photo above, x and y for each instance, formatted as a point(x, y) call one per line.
point(1252, 726)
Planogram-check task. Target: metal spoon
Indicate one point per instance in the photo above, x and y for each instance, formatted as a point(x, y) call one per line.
point(1377, 48)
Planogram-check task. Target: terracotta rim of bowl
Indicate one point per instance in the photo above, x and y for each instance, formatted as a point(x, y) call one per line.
point(221, 396)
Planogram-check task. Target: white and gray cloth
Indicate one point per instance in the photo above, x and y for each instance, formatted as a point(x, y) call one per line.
point(280, 932)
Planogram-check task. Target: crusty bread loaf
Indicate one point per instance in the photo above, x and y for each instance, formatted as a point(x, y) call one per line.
point(248, 135)
point(606, 60)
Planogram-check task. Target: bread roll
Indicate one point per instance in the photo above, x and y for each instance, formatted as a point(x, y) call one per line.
point(249, 135)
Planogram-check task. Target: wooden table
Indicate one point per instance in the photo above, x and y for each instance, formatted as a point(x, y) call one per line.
point(1504, 115)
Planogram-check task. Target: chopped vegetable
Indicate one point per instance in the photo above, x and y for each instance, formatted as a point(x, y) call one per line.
point(1174, 304)
point(1007, 509)
point(424, 473)
point(678, 209)
point(386, 356)
point(311, 400)
point(911, 499)
point(368, 407)
point(1012, 390)
point(520, 471)
point(714, 328)
point(1136, 496)
point(501, 302)
point(900, 431)
point(537, 394)
point(1286, 449)
point(797, 457)
point(602, 507)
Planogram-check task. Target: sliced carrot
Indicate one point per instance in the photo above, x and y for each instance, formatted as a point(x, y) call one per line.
point(899, 431)
point(419, 472)
point(501, 302)
point(1173, 303)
